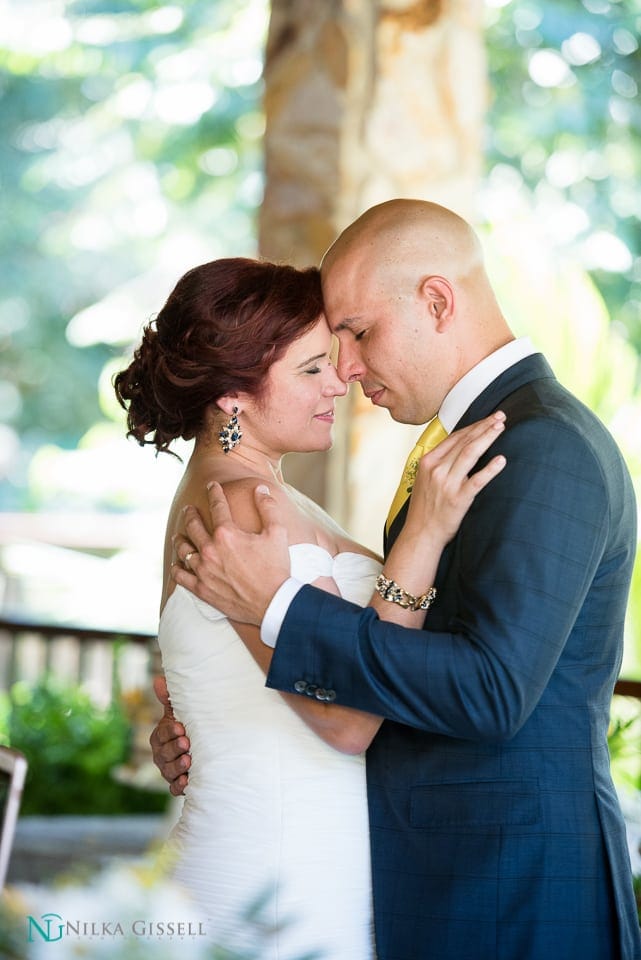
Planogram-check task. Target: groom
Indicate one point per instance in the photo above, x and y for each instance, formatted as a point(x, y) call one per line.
point(495, 829)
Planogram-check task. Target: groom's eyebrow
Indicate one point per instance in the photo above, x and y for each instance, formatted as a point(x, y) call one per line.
point(346, 324)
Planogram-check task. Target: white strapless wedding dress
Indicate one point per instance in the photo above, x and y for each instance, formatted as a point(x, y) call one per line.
point(272, 814)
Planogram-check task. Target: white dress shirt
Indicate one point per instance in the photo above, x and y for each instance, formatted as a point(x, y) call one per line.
point(457, 401)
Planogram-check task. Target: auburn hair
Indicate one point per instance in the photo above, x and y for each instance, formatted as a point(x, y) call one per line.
point(223, 326)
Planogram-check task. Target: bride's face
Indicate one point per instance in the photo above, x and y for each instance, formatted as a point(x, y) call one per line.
point(296, 411)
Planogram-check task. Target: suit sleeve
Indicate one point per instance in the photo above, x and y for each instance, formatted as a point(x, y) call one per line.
point(511, 586)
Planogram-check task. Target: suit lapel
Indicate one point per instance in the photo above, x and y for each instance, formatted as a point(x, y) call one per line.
point(534, 367)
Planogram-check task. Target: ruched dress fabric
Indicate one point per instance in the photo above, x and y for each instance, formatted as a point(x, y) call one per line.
point(272, 814)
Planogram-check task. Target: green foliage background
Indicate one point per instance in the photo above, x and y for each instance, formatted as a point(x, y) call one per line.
point(574, 144)
point(72, 747)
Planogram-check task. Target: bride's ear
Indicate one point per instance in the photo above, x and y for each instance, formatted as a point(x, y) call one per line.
point(228, 403)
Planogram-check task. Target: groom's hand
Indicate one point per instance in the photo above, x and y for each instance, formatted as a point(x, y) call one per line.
point(169, 745)
point(233, 570)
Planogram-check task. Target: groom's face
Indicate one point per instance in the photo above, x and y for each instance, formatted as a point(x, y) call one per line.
point(387, 339)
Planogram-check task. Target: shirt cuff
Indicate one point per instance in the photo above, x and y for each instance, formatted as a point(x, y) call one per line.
point(277, 611)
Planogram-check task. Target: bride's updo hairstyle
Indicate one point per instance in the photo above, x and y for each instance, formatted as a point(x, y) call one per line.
point(223, 326)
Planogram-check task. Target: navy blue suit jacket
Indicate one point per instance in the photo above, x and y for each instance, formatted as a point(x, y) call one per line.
point(495, 829)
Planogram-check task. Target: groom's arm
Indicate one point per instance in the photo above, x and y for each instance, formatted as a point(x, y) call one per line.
point(524, 559)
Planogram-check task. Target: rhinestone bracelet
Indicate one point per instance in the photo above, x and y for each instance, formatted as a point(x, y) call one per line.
point(392, 592)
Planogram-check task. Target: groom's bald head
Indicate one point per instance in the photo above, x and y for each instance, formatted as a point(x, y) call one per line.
point(420, 266)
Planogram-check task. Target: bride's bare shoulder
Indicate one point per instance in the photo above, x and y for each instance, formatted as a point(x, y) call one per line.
point(241, 497)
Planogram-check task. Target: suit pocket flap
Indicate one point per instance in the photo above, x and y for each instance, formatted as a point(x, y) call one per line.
point(486, 803)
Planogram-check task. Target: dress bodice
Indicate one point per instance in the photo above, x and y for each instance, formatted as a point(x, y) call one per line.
point(353, 573)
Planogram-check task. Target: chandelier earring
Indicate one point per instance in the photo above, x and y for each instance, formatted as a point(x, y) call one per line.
point(231, 434)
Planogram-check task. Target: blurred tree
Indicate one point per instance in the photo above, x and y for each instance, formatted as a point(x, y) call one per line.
point(365, 101)
point(130, 147)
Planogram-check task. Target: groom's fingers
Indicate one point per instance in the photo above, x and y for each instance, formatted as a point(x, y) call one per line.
point(179, 573)
point(187, 556)
point(218, 506)
point(267, 507)
point(181, 546)
point(195, 530)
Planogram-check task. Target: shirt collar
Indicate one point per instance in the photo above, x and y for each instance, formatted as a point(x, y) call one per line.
point(481, 376)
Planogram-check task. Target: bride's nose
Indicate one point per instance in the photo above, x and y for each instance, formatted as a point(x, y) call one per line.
point(334, 386)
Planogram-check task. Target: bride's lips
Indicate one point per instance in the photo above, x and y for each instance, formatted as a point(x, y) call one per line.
point(327, 416)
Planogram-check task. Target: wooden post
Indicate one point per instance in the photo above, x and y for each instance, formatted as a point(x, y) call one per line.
point(365, 100)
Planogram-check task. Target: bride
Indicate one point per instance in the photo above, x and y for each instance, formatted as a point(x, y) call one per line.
point(275, 811)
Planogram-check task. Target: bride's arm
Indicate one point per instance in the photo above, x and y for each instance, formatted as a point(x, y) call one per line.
point(345, 729)
point(443, 493)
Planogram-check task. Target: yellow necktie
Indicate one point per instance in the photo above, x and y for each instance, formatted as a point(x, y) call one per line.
point(430, 438)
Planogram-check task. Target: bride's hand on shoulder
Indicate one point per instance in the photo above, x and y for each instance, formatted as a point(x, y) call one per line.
point(444, 488)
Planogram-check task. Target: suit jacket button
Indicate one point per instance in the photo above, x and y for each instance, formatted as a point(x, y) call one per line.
point(300, 686)
point(321, 694)
point(330, 695)
point(311, 689)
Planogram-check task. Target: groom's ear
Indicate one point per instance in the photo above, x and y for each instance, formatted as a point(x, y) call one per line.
point(439, 300)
